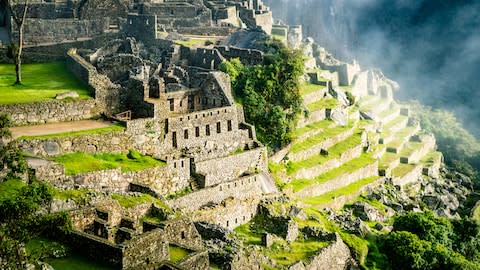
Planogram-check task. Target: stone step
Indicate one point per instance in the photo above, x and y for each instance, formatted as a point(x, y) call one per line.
point(432, 163)
point(390, 114)
point(417, 148)
point(397, 124)
point(404, 174)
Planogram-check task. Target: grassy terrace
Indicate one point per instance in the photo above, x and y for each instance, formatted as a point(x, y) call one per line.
point(78, 163)
point(40, 82)
point(386, 159)
point(348, 167)
point(281, 252)
point(430, 158)
point(308, 88)
point(410, 148)
point(395, 122)
point(324, 103)
point(314, 126)
point(312, 141)
point(368, 101)
point(403, 169)
point(350, 189)
point(333, 152)
point(177, 253)
point(113, 128)
point(388, 112)
point(191, 42)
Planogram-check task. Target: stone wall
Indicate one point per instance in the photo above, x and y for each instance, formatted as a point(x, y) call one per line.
point(50, 111)
point(207, 58)
point(335, 256)
point(182, 232)
point(145, 249)
point(313, 117)
point(38, 31)
point(229, 214)
point(196, 261)
point(339, 182)
point(346, 72)
point(410, 177)
point(428, 144)
point(95, 247)
point(246, 56)
point(309, 173)
point(240, 188)
point(360, 85)
point(142, 27)
point(315, 96)
point(107, 94)
point(227, 168)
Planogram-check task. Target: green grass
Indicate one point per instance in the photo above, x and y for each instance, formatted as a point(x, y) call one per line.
point(395, 122)
point(324, 103)
point(308, 88)
point(430, 158)
point(301, 250)
point(388, 112)
point(402, 169)
point(387, 159)
point(248, 235)
point(119, 127)
point(10, 188)
point(333, 152)
point(191, 42)
point(410, 148)
point(177, 253)
point(350, 189)
point(312, 141)
point(78, 163)
point(77, 262)
point(79, 196)
point(128, 201)
point(311, 127)
point(40, 82)
point(348, 167)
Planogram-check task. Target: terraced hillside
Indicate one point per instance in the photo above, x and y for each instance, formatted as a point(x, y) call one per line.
point(340, 151)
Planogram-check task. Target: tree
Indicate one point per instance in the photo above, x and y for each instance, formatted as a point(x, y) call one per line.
point(15, 51)
point(11, 159)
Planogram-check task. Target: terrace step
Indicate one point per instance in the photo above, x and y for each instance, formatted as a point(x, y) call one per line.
point(396, 124)
point(338, 198)
point(301, 150)
point(333, 157)
point(417, 148)
point(340, 177)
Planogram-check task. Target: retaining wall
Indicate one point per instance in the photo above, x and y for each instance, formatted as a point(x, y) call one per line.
point(339, 182)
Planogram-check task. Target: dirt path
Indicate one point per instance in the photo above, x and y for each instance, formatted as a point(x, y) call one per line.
point(54, 128)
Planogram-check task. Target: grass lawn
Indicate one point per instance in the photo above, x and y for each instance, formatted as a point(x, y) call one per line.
point(177, 253)
point(191, 42)
point(314, 126)
point(113, 128)
point(299, 250)
point(431, 158)
point(78, 163)
point(128, 201)
point(40, 82)
point(78, 262)
point(10, 188)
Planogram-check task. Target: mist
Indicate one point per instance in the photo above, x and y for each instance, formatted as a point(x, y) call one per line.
point(431, 47)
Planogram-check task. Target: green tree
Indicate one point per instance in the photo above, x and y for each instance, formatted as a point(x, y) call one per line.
point(15, 51)
point(11, 159)
point(270, 93)
point(21, 220)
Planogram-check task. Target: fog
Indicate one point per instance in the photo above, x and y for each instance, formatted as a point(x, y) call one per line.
point(431, 47)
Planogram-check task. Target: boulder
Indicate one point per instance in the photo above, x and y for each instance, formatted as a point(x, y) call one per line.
point(366, 212)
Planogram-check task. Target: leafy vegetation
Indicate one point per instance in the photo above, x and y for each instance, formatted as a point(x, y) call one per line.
point(41, 82)
point(424, 241)
point(270, 93)
point(459, 147)
point(177, 253)
point(78, 163)
point(128, 201)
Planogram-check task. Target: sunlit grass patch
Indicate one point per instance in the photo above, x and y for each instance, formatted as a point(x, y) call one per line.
point(77, 163)
point(40, 82)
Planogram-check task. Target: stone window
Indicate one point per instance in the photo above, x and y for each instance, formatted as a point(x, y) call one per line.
point(174, 165)
point(181, 103)
point(214, 101)
point(228, 223)
point(219, 127)
point(197, 131)
point(229, 125)
point(183, 164)
point(172, 104)
point(183, 235)
point(185, 134)
point(174, 139)
point(207, 130)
